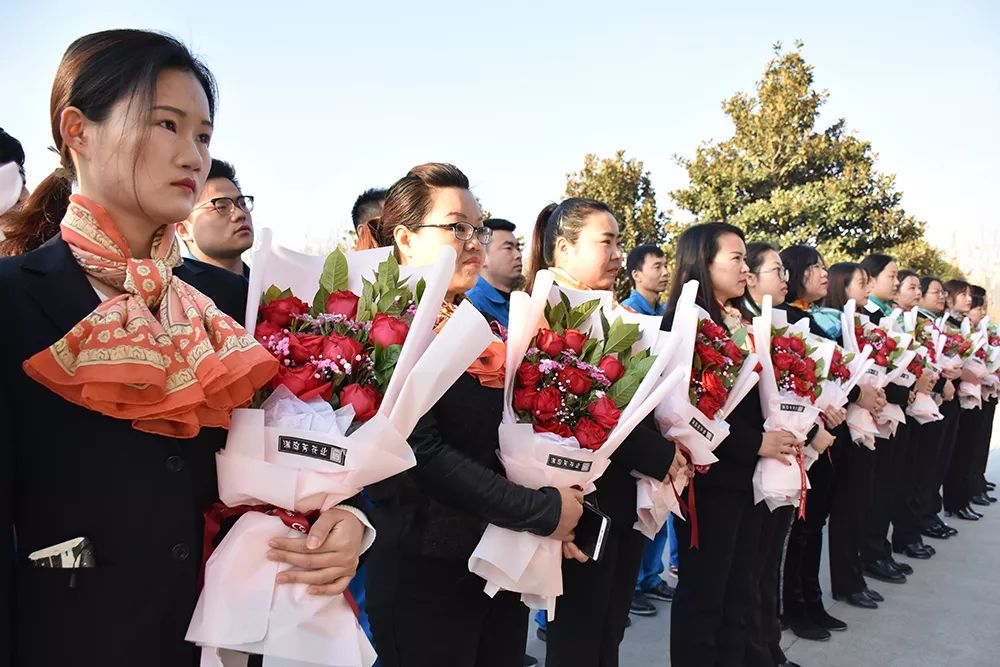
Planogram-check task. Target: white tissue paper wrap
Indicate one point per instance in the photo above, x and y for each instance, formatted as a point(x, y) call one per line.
point(295, 455)
point(523, 562)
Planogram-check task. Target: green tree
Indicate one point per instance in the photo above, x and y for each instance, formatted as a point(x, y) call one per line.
point(625, 186)
point(925, 259)
point(782, 180)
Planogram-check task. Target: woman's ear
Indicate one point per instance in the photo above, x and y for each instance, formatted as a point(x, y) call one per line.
point(404, 239)
point(751, 280)
point(75, 130)
point(560, 251)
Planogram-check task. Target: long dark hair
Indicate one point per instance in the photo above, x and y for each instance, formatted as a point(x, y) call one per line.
point(556, 221)
point(954, 287)
point(96, 72)
point(875, 264)
point(697, 247)
point(797, 259)
point(408, 202)
point(756, 252)
point(840, 276)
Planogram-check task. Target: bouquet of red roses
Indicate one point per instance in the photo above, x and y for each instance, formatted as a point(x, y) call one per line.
point(581, 375)
point(360, 364)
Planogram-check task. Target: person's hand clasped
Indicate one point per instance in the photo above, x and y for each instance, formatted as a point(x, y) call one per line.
point(778, 445)
point(925, 382)
point(327, 558)
point(834, 416)
point(569, 514)
point(677, 467)
point(822, 440)
point(948, 393)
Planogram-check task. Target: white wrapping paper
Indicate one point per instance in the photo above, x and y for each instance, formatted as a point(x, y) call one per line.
point(523, 562)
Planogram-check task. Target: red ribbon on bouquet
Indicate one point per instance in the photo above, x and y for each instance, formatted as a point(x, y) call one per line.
point(220, 512)
point(804, 485)
point(689, 509)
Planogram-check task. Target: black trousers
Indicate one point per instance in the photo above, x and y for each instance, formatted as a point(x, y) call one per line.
point(906, 514)
point(427, 611)
point(709, 617)
point(927, 441)
point(764, 646)
point(805, 543)
point(957, 490)
point(852, 499)
point(593, 609)
point(889, 456)
point(981, 451)
point(951, 411)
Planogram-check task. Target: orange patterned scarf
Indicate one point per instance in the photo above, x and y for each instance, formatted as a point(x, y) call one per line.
point(161, 354)
point(490, 366)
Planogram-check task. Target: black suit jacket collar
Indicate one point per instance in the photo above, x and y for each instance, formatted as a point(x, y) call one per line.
point(57, 283)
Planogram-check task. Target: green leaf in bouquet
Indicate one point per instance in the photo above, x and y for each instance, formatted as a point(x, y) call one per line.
point(319, 301)
point(621, 337)
point(557, 317)
point(591, 351)
point(577, 316)
point(366, 306)
point(394, 302)
point(605, 325)
point(273, 293)
point(621, 392)
point(418, 293)
point(334, 276)
point(388, 274)
point(821, 368)
point(625, 356)
point(385, 361)
point(740, 337)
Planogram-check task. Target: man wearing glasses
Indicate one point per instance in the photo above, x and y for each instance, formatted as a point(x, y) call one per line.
point(220, 227)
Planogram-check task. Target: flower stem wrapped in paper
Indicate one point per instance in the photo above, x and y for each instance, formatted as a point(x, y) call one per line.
point(792, 370)
point(974, 367)
point(991, 383)
point(359, 367)
point(581, 375)
point(861, 422)
point(720, 375)
point(890, 341)
point(923, 408)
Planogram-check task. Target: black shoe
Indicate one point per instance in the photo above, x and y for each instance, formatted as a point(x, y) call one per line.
point(641, 606)
point(859, 600)
point(902, 568)
point(818, 615)
point(928, 548)
point(530, 661)
point(914, 551)
point(873, 595)
point(976, 513)
point(661, 591)
point(804, 628)
point(883, 571)
point(948, 529)
point(990, 486)
point(965, 514)
point(937, 532)
point(980, 500)
point(989, 497)
point(541, 634)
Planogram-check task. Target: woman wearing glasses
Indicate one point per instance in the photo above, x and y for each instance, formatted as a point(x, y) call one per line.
point(769, 277)
point(426, 608)
point(220, 227)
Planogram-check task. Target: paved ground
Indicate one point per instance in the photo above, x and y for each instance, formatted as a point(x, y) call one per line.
point(948, 613)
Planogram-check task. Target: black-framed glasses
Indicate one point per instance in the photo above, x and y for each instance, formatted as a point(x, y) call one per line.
point(782, 272)
point(224, 205)
point(464, 231)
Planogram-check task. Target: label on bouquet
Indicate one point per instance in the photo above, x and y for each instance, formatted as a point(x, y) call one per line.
point(874, 370)
point(314, 450)
point(701, 428)
point(568, 464)
point(792, 407)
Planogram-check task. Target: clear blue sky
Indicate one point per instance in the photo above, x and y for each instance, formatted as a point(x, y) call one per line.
point(321, 100)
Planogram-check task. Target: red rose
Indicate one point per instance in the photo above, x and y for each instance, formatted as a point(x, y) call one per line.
point(797, 345)
point(528, 375)
point(604, 412)
point(713, 385)
point(524, 399)
point(387, 330)
point(303, 347)
point(265, 330)
point(783, 361)
point(881, 359)
point(575, 380)
point(709, 405)
point(365, 400)
point(611, 367)
point(574, 340)
point(712, 330)
point(549, 342)
point(337, 347)
point(547, 402)
point(344, 302)
point(554, 426)
point(733, 351)
point(283, 311)
point(589, 434)
point(709, 355)
point(303, 382)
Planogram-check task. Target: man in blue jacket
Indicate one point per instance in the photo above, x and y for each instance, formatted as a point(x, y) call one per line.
point(501, 273)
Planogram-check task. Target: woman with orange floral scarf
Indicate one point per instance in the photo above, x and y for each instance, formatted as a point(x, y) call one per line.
point(120, 370)
point(425, 606)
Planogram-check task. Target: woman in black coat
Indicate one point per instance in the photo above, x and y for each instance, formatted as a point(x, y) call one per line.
point(712, 609)
point(131, 116)
point(425, 607)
